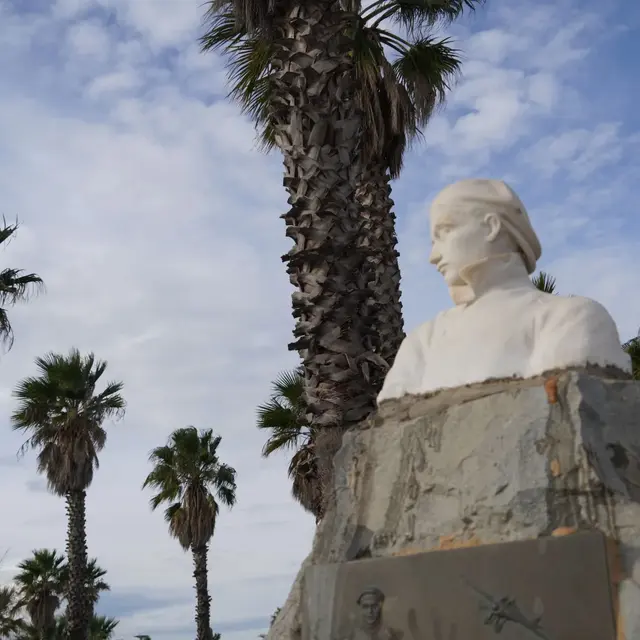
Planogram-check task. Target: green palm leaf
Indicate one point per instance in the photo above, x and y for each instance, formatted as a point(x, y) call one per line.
point(15, 286)
point(544, 282)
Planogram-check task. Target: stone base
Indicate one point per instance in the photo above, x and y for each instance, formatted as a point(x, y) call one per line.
point(551, 588)
point(496, 462)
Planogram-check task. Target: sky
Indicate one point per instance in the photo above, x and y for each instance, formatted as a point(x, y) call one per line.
point(151, 215)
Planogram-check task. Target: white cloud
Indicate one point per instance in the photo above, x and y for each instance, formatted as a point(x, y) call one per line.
point(88, 39)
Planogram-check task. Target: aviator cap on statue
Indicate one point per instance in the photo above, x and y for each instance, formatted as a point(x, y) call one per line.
point(496, 196)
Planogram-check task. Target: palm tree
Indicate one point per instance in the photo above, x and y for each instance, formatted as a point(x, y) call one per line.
point(11, 622)
point(64, 414)
point(544, 282)
point(314, 76)
point(310, 74)
point(41, 582)
point(274, 615)
point(284, 416)
point(102, 628)
point(632, 347)
point(94, 582)
point(15, 286)
point(186, 474)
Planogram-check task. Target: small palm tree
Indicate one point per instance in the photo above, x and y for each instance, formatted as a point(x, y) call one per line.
point(544, 282)
point(284, 415)
point(41, 582)
point(15, 286)
point(632, 347)
point(11, 622)
point(102, 628)
point(274, 615)
point(63, 414)
point(188, 477)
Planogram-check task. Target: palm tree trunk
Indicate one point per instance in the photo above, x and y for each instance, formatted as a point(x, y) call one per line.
point(78, 605)
point(203, 599)
point(379, 236)
point(317, 128)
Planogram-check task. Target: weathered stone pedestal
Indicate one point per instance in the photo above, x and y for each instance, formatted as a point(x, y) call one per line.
point(495, 462)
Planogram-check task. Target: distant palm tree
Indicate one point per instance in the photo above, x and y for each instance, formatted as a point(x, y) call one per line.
point(285, 416)
point(632, 347)
point(274, 615)
point(15, 286)
point(544, 282)
point(102, 628)
point(187, 473)
point(95, 583)
point(64, 414)
point(11, 622)
point(41, 584)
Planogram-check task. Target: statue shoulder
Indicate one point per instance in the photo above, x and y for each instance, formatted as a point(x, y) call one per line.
point(575, 331)
point(578, 310)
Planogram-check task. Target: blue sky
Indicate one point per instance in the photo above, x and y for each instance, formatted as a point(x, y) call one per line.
point(154, 221)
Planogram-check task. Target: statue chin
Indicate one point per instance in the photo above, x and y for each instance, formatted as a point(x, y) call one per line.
point(512, 329)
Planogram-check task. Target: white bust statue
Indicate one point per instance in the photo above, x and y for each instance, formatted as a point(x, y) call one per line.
point(501, 326)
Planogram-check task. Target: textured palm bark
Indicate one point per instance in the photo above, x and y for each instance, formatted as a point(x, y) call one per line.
point(79, 606)
point(318, 127)
point(379, 237)
point(203, 599)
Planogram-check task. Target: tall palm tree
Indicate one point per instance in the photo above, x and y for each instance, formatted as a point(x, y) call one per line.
point(11, 622)
point(63, 413)
point(189, 477)
point(314, 75)
point(15, 286)
point(284, 416)
point(41, 581)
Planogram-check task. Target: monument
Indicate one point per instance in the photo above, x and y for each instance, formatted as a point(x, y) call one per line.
point(502, 467)
point(502, 326)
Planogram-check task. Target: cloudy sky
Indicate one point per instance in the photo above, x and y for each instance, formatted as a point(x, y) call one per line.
point(154, 221)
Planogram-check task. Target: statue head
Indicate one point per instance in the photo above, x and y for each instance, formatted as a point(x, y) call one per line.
point(474, 220)
point(370, 602)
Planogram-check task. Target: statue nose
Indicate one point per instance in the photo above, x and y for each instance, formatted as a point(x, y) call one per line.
point(434, 256)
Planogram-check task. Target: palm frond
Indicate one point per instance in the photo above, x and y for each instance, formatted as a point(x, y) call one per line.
point(632, 348)
point(544, 282)
point(417, 15)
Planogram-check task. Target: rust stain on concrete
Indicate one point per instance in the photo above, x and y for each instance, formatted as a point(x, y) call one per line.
point(551, 388)
point(616, 575)
point(454, 542)
point(563, 531)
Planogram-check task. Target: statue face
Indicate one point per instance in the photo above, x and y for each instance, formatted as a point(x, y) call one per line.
point(370, 608)
point(460, 237)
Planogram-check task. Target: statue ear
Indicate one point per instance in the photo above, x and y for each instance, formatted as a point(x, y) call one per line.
point(493, 222)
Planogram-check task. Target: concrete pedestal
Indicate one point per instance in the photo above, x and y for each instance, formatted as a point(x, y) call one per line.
point(495, 462)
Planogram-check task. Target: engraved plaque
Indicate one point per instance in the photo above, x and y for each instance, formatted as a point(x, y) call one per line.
point(550, 589)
